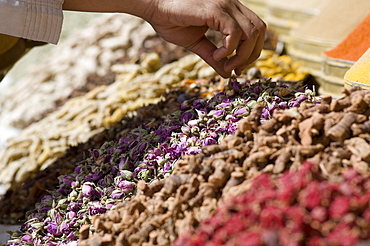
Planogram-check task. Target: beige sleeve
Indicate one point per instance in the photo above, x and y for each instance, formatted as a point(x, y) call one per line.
point(39, 20)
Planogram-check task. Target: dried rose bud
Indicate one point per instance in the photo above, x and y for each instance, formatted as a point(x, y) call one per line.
point(87, 190)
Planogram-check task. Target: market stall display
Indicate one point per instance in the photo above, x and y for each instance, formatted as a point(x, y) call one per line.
point(154, 148)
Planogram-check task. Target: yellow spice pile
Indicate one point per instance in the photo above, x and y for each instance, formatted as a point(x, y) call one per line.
point(360, 71)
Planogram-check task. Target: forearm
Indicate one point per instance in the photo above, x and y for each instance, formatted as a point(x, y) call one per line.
point(140, 8)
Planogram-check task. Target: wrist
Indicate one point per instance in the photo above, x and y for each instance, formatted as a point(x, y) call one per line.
point(141, 8)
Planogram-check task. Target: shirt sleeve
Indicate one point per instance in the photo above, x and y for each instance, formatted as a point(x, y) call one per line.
point(39, 20)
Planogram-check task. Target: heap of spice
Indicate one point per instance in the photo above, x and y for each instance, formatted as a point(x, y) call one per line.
point(360, 71)
point(298, 208)
point(354, 45)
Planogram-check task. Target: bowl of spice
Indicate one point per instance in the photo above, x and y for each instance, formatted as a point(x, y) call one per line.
point(340, 59)
point(336, 20)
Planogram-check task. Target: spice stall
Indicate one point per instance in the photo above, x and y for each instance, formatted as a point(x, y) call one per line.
point(167, 152)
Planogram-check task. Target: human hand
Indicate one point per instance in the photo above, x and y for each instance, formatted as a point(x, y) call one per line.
point(185, 22)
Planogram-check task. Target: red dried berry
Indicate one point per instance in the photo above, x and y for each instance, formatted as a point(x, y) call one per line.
point(265, 195)
point(271, 217)
point(319, 213)
point(294, 216)
point(346, 189)
point(342, 236)
point(310, 197)
point(366, 215)
point(246, 239)
point(350, 174)
point(339, 207)
point(316, 241)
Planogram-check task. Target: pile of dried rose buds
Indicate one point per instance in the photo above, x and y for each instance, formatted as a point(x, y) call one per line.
point(298, 208)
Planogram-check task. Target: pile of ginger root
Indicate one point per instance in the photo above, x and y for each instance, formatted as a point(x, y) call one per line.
point(334, 134)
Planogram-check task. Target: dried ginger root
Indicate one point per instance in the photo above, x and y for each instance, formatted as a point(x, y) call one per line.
point(341, 131)
point(310, 127)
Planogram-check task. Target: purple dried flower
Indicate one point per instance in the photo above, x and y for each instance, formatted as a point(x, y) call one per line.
point(67, 179)
point(93, 177)
point(71, 236)
point(185, 130)
point(71, 215)
point(167, 167)
point(232, 129)
point(198, 103)
point(193, 123)
point(193, 150)
point(125, 186)
point(283, 105)
point(185, 117)
point(257, 90)
point(124, 163)
point(95, 153)
point(74, 206)
point(124, 141)
point(52, 228)
point(241, 112)
point(64, 190)
point(47, 200)
point(235, 85)
point(219, 114)
point(265, 114)
point(133, 144)
point(77, 170)
point(96, 208)
point(142, 147)
point(73, 184)
point(185, 105)
point(87, 190)
point(209, 141)
point(293, 104)
point(26, 238)
point(117, 194)
point(64, 227)
point(301, 98)
point(225, 105)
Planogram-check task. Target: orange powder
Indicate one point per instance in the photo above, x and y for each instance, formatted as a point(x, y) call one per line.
point(354, 45)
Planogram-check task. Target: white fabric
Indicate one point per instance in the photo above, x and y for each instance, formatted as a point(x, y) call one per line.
point(39, 20)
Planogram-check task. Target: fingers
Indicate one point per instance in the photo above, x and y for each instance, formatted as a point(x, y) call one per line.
point(245, 33)
point(248, 51)
point(230, 43)
point(205, 49)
